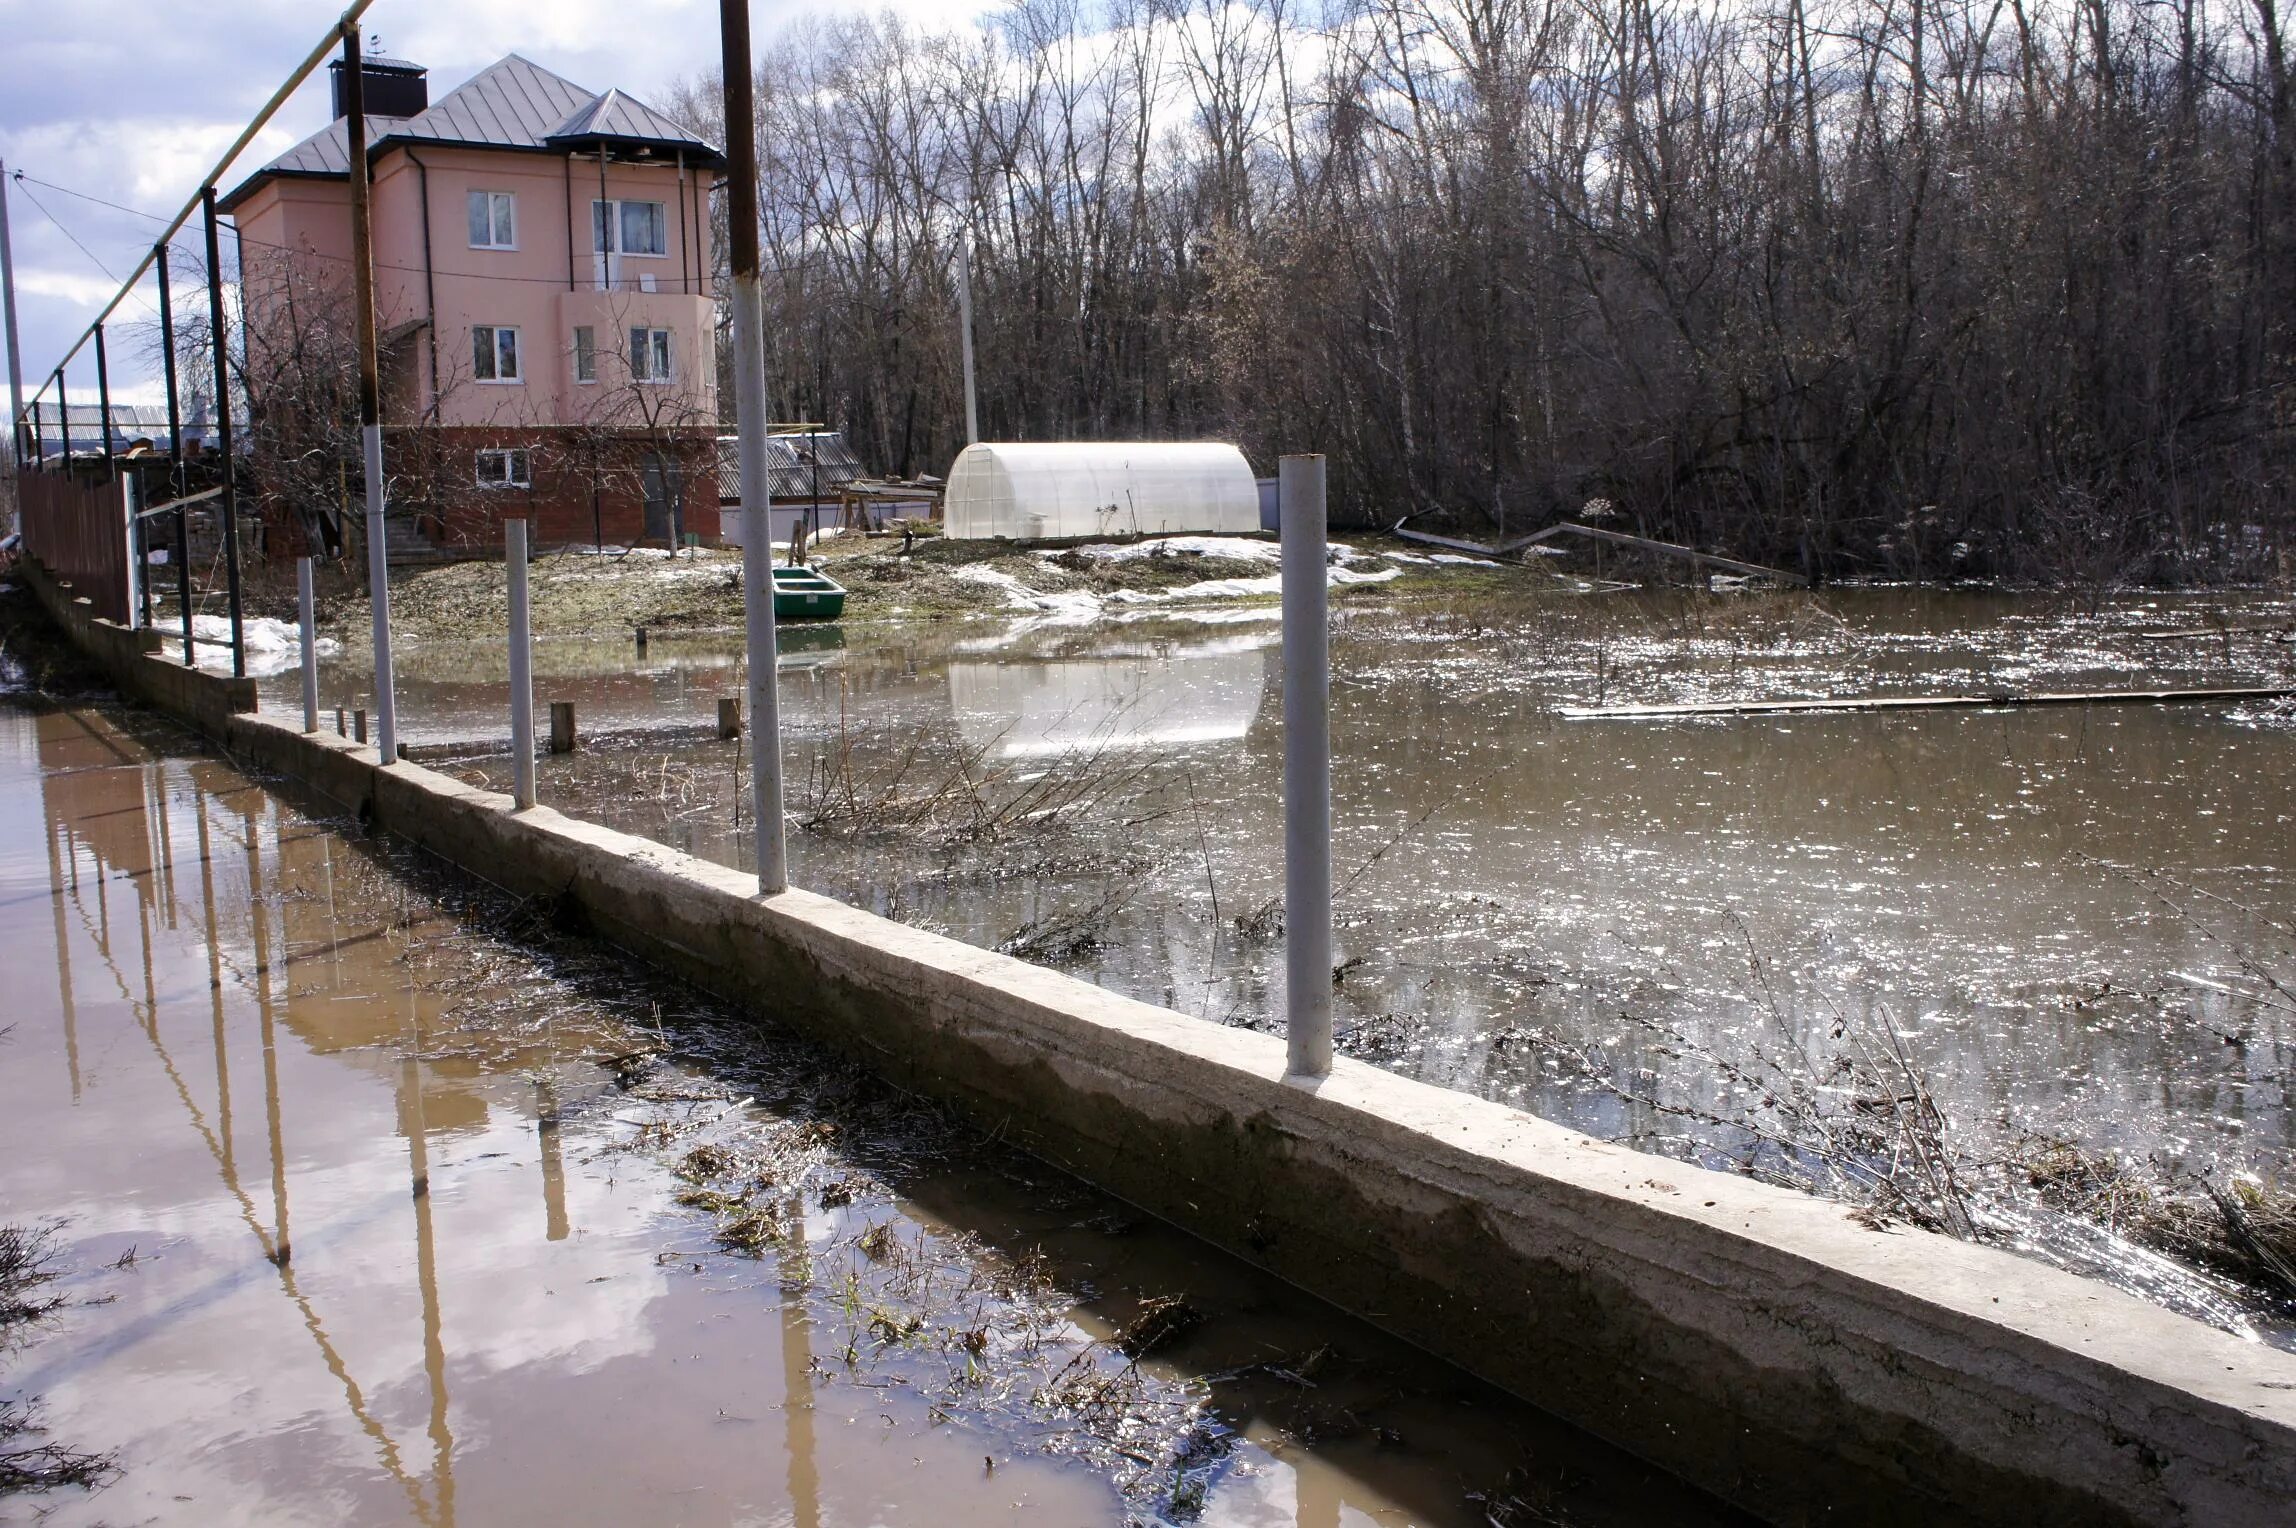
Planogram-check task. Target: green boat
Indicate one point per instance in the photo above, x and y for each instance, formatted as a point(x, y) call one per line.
point(801, 594)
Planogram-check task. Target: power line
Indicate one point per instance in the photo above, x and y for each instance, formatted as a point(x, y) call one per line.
point(21, 178)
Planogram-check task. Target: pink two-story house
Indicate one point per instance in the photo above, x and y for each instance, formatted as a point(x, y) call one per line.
point(542, 293)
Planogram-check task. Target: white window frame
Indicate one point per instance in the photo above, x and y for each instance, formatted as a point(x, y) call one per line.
point(516, 464)
point(607, 262)
point(585, 355)
point(496, 202)
point(517, 376)
point(648, 341)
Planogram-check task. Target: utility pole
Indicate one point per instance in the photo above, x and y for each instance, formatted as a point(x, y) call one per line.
point(8, 308)
point(230, 498)
point(750, 416)
point(965, 322)
point(370, 393)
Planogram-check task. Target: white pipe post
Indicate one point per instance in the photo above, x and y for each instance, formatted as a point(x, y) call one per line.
point(965, 322)
point(8, 322)
point(1307, 768)
point(743, 260)
point(308, 618)
point(521, 668)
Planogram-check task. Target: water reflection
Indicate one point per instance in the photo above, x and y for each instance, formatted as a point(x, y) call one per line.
point(353, 1312)
point(1160, 698)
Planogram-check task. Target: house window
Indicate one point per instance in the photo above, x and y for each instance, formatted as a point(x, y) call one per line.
point(494, 353)
point(503, 469)
point(493, 220)
point(650, 356)
point(585, 353)
point(629, 228)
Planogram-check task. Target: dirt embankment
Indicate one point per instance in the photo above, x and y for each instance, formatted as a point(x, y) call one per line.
point(596, 594)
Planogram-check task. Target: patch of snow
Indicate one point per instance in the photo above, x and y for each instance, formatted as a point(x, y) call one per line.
point(1235, 548)
point(1473, 562)
point(273, 647)
point(1072, 604)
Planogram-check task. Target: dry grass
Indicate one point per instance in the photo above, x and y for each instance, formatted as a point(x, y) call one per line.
point(27, 1270)
point(2245, 1232)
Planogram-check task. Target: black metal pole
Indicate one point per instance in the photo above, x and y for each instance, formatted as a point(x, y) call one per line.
point(139, 569)
point(230, 498)
point(104, 403)
point(39, 436)
point(64, 418)
point(175, 460)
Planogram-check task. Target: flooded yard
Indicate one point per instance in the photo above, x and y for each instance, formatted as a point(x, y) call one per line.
point(377, 1197)
point(2036, 954)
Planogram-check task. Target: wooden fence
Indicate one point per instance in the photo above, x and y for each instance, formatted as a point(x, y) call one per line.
point(79, 532)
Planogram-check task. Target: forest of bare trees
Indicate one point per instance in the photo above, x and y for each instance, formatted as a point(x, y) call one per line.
point(1900, 286)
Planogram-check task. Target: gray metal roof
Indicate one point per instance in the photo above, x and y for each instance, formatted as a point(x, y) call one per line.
point(129, 421)
point(513, 104)
point(618, 118)
point(789, 462)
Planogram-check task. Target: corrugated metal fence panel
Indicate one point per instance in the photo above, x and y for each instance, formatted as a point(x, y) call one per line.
point(79, 533)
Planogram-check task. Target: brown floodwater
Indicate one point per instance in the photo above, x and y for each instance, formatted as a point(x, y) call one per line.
point(382, 1200)
point(2074, 924)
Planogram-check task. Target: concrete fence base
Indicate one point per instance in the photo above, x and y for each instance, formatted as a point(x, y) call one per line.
point(1754, 1340)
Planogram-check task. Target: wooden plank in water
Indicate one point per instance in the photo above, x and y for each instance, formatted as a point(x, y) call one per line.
point(1665, 549)
point(1926, 702)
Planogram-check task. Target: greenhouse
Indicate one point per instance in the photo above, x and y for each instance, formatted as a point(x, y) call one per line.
point(1034, 490)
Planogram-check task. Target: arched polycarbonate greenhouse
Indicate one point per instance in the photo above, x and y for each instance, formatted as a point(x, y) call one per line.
point(1034, 490)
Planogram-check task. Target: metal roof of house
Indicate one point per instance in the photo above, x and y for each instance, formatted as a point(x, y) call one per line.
point(789, 461)
point(514, 104)
point(618, 118)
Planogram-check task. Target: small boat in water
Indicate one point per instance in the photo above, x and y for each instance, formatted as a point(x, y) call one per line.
point(802, 594)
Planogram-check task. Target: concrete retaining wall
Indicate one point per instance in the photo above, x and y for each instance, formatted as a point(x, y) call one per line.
point(1755, 1340)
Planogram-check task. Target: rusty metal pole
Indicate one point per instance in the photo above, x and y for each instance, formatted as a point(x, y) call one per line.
point(370, 395)
point(750, 412)
point(230, 500)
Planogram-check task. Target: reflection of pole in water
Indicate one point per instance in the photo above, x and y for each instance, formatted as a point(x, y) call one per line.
point(426, 1269)
point(553, 1161)
point(63, 963)
point(165, 890)
point(260, 911)
point(1315, 1493)
point(148, 1021)
point(215, 989)
point(797, 1388)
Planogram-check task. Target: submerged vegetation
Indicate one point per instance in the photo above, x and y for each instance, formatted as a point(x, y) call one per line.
point(27, 1270)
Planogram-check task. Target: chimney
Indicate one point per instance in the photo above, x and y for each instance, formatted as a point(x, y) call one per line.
point(394, 87)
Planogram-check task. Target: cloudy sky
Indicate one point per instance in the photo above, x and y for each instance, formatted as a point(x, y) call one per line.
point(123, 100)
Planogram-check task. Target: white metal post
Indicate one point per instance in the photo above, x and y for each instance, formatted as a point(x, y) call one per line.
point(965, 322)
point(8, 322)
point(521, 668)
point(1307, 768)
point(743, 259)
point(309, 621)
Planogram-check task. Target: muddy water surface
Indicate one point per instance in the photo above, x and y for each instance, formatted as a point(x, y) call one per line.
point(2073, 923)
point(382, 1200)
